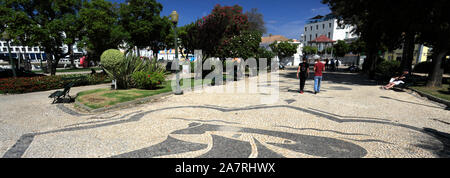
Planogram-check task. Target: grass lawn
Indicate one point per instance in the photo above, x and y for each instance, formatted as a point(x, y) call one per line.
point(440, 92)
point(99, 98)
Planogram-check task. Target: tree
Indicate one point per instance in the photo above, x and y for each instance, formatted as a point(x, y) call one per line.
point(256, 21)
point(357, 47)
point(264, 53)
point(397, 24)
point(243, 46)
point(210, 33)
point(369, 20)
point(142, 21)
point(43, 25)
point(341, 48)
point(102, 31)
point(283, 49)
point(73, 32)
point(14, 23)
point(309, 50)
point(436, 33)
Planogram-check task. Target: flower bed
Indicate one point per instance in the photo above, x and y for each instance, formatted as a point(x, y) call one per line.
point(44, 83)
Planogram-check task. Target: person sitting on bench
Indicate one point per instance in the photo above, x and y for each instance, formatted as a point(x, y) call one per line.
point(396, 81)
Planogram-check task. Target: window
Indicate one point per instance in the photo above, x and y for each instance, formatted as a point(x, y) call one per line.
point(4, 49)
point(323, 26)
point(311, 27)
point(310, 37)
point(23, 49)
point(330, 25)
point(35, 49)
point(29, 49)
point(306, 29)
point(316, 35)
point(329, 35)
point(17, 49)
point(317, 27)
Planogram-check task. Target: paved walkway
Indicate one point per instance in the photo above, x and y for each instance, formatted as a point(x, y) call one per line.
point(351, 117)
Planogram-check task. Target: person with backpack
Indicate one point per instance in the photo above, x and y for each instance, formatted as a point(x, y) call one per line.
point(302, 73)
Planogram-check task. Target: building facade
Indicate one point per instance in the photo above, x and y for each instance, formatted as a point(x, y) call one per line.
point(32, 53)
point(328, 26)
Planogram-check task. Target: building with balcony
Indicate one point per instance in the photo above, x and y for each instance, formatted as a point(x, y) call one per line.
point(326, 26)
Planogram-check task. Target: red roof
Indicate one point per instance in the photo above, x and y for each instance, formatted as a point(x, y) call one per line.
point(322, 39)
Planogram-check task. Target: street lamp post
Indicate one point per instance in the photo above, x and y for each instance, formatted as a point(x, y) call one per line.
point(6, 36)
point(174, 19)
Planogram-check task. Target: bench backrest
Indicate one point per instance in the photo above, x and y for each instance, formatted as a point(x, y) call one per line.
point(67, 87)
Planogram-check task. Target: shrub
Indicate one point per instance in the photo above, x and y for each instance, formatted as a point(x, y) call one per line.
point(129, 64)
point(147, 80)
point(111, 58)
point(44, 83)
point(123, 71)
point(387, 69)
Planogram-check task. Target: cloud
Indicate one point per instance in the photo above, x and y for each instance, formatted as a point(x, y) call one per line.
point(320, 11)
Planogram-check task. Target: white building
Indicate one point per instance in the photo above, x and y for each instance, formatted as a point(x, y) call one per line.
point(328, 26)
point(33, 53)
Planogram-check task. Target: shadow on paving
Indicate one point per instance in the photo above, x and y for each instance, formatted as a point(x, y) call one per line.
point(335, 77)
point(385, 97)
point(444, 138)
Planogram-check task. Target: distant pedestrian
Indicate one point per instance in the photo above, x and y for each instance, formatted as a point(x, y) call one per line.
point(319, 67)
point(327, 64)
point(337, 64)
point(332, 65)
point(302, 73)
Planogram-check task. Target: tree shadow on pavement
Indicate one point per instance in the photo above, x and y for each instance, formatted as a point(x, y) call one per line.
point(385, 97)
point(444, 138)
point(336, 77)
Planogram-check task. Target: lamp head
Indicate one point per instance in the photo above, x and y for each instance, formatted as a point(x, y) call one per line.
point(174, 17)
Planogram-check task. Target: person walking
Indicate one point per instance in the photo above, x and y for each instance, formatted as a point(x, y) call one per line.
point(302, 73)
point(319, 67)
point(337, 64)
point(333, 65)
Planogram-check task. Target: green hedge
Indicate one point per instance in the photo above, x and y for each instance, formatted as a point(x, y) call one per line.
point(44, 83)
point(147, 80)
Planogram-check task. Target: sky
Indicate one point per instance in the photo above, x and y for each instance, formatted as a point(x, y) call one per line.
point(282, 17)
